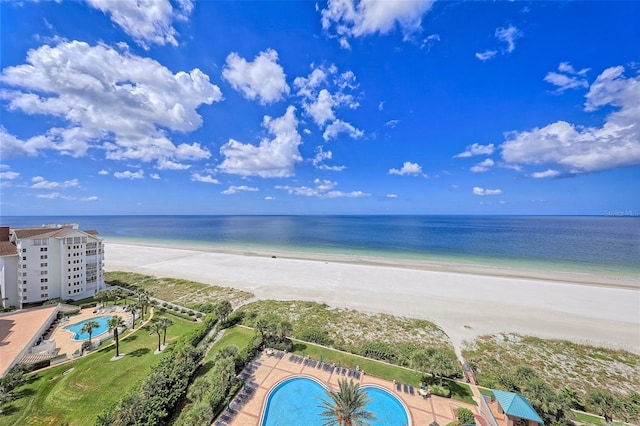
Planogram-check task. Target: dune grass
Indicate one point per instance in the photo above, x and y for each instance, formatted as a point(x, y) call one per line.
point(182, 292)
point(51, 397)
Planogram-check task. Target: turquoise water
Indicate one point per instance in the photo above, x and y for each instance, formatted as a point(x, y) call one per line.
point(75, 328)
point(607, 245)
point(297, 401)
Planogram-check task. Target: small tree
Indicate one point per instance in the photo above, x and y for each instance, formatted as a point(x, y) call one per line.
point(166, 323)
point(88, 328)
point(223, 310)
point(114, 323)
point(156, 328)
point(465, 416)
point(603, 403)
point(442, 365)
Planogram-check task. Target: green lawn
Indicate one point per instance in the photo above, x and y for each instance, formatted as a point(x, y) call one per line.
point(236, 336)
point(52, 398)
point(460, 391)
point(590, 419)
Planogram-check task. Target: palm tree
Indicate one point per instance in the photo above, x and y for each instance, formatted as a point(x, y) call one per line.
point(223, 310)
point(198, 389)
point(133, 308)
point(156, 327)
point(284, 329)
point(88, 328)
point(442, 364)
point(226, 368)
point(114, 323)
point(143, 299)
point(603, 403)
point(540, 394)
point(166, 323)
point(346, 406)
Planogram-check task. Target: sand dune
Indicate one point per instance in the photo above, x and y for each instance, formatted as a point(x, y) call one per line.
point(464, 300)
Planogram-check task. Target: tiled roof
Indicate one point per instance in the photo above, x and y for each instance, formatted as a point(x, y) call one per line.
point(7, 249)
point(516, 405)
point(91, 232)
point(23, 233)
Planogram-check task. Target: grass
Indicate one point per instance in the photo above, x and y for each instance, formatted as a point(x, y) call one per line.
point(348, 328)
point(182, 292)
point(558, 362)
point(52, 398)
point(590, 419)
point(237, 336)
point(460, 391)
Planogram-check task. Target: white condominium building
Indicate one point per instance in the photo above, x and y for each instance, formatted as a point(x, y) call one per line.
point(49, 262)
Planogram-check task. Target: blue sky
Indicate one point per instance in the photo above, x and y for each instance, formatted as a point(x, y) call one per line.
point(339, 107)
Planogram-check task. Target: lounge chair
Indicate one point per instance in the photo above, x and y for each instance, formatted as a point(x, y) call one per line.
point(344, 371)
point(411, 392)
point(398, 386)
point(405, 388)
point(356, 374)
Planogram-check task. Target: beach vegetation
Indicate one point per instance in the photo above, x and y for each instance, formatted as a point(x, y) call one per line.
point(189, 294)
point(559, 363)
point(346, 406)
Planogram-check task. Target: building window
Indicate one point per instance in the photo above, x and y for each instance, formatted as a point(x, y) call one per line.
point(44, 295)
point(44, 272)
point(44, 280)
point(44, 265)
point(43, 249)
point(24, 250)
point(24, 297)
point(24, 258)
point(43, 256)
point(24, 290)
point(44, 287)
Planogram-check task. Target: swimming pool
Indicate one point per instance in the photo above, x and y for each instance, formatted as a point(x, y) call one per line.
point(102, 328)
point(297, 401)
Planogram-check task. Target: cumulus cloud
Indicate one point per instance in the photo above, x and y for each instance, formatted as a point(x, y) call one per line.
point(486, 55)
point(9, 175)
point(567, 77)
point(269, 198)
point(103, 172)
point(352, 18)
point(339, 126)
point(321, 103)
point(110, 100)
point(392, 123)
point(546, 174)
point(154, 176)
point(55, 196)
point(483, 192)
point(576, 149)
point(392, 196)
point(197, 177)
point(146, 21)
point(165, 164)
point(274, 157)
point(263, 79)
point(91, 198)
point(235, 189)
point(408, 168)
point(129, 174)
point(476, 149)
point(41, 183)
point(15, 147)
point(483, 166)
point(321, 156)
point(322, 189)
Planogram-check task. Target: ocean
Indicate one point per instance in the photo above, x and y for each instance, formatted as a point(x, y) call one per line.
point(608, 245)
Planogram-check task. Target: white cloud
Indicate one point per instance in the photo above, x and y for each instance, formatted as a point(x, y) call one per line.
point(486, 55)
point(482, 192)
point(568, 78)
point(9, 175)
point(508, 35)
point(110, 100)
point(269, 198)
point(129, 175)
point(476, 149)
point(352, 18)
point(321, 109)
point(392, 196)
point(275, 157)
point(429, 41)
point(578, 149)
point(197, 177)
point(339, 126)
point(146, 21)
point(154, 176)
point(392, 123)
point(41, 183)
point(262, 79)
point(235, 189)
point(103, 172)
point(483, 166)
point(546, 174)
point(91, 198)
point(381, 105)
point(321, 156)
point(14, 147)
point(408, 168)
point(322, 189)
point(165, 164)
point(54, 196)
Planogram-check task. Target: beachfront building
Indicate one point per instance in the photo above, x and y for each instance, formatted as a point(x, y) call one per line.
point(508, 409)
point(49, 262)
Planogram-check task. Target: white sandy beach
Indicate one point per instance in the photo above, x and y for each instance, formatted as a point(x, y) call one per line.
point(464, 300)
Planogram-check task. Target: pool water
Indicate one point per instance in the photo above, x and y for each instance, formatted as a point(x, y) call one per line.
point(298, 401)
point(102, 328)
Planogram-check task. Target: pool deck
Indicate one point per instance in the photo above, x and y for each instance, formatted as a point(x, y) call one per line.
point(270, 370)
point(64, 338)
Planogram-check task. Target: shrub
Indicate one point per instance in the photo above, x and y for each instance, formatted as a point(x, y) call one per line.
point(198, 314)
point(315, 335)
point(465, 416)
point(164, 304)
point(440, 391)
point(85, 346)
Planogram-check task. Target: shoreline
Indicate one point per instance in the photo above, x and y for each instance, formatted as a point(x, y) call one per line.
point(465, 300)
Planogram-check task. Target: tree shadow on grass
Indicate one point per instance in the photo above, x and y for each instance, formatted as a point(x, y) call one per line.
point(459, 390)
point(8, 410)
point(23, 393)
point(298, 347)
point(139, 352)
